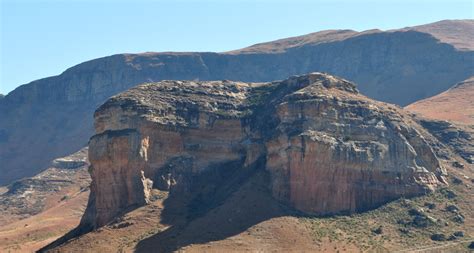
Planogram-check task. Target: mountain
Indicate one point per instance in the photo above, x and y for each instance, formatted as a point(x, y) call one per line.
point(455, 104)
point(459, 33)
point(233, 166)
point(51, 117)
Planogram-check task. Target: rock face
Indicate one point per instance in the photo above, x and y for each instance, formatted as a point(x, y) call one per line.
point(50, 118)
point(327, 148)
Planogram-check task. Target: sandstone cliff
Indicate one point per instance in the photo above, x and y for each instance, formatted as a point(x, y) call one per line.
point(50, 117)
point(327, 148)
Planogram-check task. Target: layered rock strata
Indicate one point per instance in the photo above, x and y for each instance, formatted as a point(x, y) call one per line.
point(51, 117)
point(327, 148)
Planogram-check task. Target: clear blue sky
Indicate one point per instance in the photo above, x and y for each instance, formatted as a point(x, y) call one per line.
point(41, 38)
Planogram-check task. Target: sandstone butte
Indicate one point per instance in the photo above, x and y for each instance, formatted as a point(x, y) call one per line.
point(326, 148)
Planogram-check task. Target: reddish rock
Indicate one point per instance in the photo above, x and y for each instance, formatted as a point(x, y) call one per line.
point(327, 148)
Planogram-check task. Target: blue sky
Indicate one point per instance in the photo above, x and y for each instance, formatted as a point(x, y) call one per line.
point(41, 38)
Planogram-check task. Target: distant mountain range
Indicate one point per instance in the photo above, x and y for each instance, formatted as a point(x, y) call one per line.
point(52, 117)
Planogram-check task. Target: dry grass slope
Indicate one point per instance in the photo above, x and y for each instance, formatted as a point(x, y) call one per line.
point(455, 104)
point(36, 211)
point(251, 221)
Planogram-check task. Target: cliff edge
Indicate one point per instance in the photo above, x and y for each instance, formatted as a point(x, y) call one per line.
point(327, 148)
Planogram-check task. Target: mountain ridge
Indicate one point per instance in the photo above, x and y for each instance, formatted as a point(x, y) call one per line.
point(52, 117)
point(437, 29)
point(433, 29)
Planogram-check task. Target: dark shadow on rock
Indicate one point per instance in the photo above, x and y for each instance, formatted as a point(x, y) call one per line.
point(68, 236)
point(220, 204)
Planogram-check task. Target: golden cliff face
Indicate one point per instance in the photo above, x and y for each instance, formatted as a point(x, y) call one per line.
point(327, 148)
point(337, 152)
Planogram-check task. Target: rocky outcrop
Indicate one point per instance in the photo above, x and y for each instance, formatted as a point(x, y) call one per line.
point(162, 133)
point(73, 161)
point(327, 148)
point(50, 118)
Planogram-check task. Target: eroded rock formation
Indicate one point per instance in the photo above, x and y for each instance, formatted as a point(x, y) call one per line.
point(327, 148)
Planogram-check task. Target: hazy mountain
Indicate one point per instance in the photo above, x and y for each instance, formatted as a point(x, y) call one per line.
point(52, 117)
